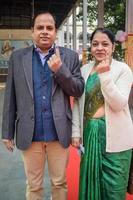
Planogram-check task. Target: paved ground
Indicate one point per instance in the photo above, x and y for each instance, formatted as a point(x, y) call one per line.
point(12, 176)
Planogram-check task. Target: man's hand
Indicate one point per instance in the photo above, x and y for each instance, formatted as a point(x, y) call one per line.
point(9, 144)
point(54, 61)
point(76, 141)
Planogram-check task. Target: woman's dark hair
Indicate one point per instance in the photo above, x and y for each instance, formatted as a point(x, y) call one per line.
point(44, 12)
point(106, 31)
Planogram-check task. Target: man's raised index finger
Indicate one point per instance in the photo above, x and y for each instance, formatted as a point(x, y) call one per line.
point(57, 51)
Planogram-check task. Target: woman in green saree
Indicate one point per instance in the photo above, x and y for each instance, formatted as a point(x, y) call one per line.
point(102, 123)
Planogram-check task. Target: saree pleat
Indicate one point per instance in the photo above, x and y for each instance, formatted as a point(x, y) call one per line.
point(90, 164)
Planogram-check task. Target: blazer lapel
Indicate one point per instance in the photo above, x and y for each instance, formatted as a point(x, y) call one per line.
point(27, 65)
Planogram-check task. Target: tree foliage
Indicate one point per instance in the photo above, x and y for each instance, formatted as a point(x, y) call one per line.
point(115, 14)
point(114, 18)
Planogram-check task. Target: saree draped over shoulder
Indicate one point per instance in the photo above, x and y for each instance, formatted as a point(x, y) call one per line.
point(103, 176)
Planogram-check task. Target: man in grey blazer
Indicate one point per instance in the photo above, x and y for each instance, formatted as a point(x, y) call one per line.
point(37, 112)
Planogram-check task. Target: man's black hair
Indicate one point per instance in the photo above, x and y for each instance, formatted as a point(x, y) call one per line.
point(44, 12)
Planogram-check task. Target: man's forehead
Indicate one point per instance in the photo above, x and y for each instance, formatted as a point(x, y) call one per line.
point(45, 18)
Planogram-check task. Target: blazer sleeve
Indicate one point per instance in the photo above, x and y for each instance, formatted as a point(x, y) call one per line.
point(9, 108)
point(69, 76)
point(116, 94)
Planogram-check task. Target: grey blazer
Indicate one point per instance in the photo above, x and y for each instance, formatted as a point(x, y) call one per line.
point(18, 112)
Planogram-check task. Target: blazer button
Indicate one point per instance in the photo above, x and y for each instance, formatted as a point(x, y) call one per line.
point(32, 118)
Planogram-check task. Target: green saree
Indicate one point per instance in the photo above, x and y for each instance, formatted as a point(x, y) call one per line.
point(103, 176)
point(130, 180)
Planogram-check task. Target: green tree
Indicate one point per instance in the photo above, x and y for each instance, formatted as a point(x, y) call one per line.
point(114, 18)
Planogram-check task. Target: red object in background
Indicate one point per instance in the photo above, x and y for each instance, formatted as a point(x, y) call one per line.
point(73, 174)
point(129, 197)
point(71, 102)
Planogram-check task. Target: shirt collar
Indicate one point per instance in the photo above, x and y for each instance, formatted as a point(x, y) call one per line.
point(37, 49)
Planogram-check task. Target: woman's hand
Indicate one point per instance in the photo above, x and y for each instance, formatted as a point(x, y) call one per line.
point(76, 141)
point(103, 66)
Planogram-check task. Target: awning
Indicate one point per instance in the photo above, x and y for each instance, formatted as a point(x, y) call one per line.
point(18, 14)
